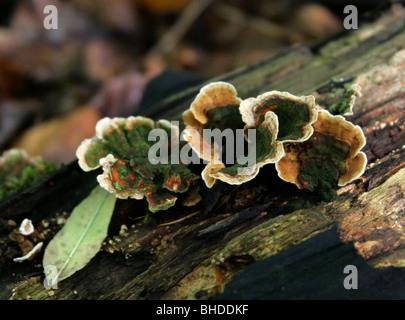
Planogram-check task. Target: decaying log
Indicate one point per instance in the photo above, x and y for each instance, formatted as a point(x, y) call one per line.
point(193, 253)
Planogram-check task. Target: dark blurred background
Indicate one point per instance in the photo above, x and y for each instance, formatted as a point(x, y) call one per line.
point(56, 84)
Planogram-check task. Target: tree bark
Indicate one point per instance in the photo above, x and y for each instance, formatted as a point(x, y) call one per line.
point(193, 253)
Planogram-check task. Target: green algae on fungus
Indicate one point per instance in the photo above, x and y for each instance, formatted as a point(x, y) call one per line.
point(19, 171)
point(295, 115)
point(277, 118)
point(121, 147)
point(217, 107)
point(331, 157)
point(268, 150)
point(214, 95)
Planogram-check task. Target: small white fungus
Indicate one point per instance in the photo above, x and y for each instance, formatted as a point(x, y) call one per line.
point(26, 227)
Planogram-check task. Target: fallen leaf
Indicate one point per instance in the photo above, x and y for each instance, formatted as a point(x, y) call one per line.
point(57, 139)
point(81, 237)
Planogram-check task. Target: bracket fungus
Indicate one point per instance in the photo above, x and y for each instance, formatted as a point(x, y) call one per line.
point(217, 109)
point(331, 157)
point(121, 147)
point(275, 117)
point(295, 115)
point(267, 150)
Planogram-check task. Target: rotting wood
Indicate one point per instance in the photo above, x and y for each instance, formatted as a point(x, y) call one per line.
point(180, 261)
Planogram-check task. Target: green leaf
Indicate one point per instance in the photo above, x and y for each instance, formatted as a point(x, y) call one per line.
point(81, 237)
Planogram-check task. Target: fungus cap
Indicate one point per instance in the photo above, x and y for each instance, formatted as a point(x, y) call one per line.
point(296, 114)
point(122, 147)
point(344, 130)
point(107, 180)
point(218, 107)
point(93, 149)
point(209, 170)
point(327, 129)
point(213, 95)
point(26, 227)
point(270, 151)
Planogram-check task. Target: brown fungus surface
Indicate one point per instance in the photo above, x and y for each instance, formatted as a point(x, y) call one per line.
point(330, 158)
point(121, 147)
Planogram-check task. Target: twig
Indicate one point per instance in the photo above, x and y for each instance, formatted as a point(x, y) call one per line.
point(179, 29)
point(179, 220)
